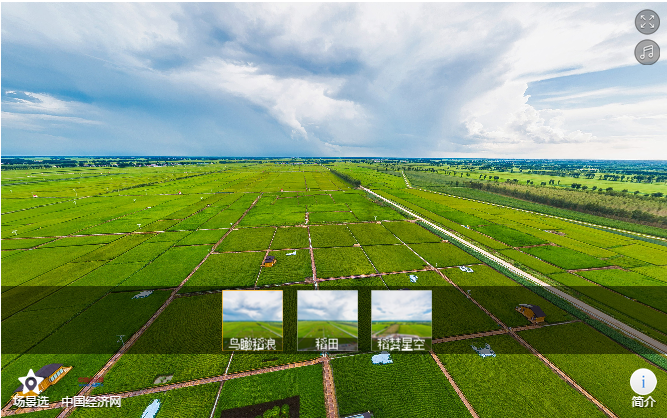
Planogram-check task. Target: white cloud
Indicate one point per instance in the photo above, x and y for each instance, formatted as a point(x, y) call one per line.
point(327, 305)
point(249, 305)
point(401, 305)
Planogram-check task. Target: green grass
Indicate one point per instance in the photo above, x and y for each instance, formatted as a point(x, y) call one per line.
point(500, 295)
point(372, 234)
point(493, 386)
point(598, 364)
point(305, 382)
point(411, 233)
point(331, 236)
point(341, 262)
point(290, 238)
point(288, 268)
point(385, 389)
point(565, 258)
point(247, 239)
point(444, 254)
point(222, 271)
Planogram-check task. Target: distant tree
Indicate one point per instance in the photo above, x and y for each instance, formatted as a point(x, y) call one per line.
point(657, 194)
point(609, 189)
point(584, 187)
point(544, 183)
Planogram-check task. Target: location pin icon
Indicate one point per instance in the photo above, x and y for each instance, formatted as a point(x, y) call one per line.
point(30, 384)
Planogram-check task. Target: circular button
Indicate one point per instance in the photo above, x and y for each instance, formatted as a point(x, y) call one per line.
point(643, 381)
point(647, 52)
point(647, 22)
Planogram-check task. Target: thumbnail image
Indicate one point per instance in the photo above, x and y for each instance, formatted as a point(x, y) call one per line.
point(327, 320)
point(252, 320)
point(401, 320)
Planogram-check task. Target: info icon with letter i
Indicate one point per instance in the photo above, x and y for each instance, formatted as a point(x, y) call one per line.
point(647, 52)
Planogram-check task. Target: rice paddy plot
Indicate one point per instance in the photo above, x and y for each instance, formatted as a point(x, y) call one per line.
point(295, 267)
point(201, 237)
point(244, 361)
point(531, 262)
point(29, 264)
point(384, 388)
point(331, 236)
point(143, 252)
point(305, 382)
point(139, 371)
point(456, 314)
point(341, 262)
point(391, 258)
point(14, 244)
point(566, 258)
point(411, 233)
point(97, 329)
point(224, 271)
point(643, 252)
point(247, 239)
point(509, 236)
point(82, 240)
point(372, 282)
point(372, 234)
point(331, 217)
point(421, 279)
point(634, 285)
point(443, 254)
point(224, 219)
point(481, 379)
point(656, 272)
point(189, 325)
point(169, 269)
point(187, 402)
point(295, 237)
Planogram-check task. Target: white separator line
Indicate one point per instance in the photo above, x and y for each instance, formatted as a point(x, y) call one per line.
point(595, 313)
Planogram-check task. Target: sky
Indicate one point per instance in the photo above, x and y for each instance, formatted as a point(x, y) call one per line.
point(401, 305)
point(493, 80)
point(327, 305)
point(249, 305)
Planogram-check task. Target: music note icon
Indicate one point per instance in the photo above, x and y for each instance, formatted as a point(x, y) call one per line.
point(649, 49)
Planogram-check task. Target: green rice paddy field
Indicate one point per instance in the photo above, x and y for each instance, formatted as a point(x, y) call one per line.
point(74, 257)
